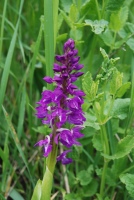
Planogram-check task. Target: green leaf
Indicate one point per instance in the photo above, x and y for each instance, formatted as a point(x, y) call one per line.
point(127, 32)
point(73, 196)
point(74, 14)
point(90, 189)
point(97, 26)
point(120, 108)
point(122, 90)
point(90, 87)
point(46, 185)
point(15, 195)
point(116, 82)
point(128, 180)
point(107, 37)
point(91, 120)
point(66, 4)
point(97, 142)
point(66, 18)
point(6, 71)
point(114, 5)
point(37, 191)
point(124, 147)
point(85, 176)
point(16, 141)
point(118, 19)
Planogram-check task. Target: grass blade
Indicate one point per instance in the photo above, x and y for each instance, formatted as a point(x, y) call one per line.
point(2, 28)
point(49, 36)
point(9, 60)
point(16, 140)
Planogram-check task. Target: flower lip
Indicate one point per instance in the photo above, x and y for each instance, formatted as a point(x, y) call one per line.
point(48, 79)
point(62, 157)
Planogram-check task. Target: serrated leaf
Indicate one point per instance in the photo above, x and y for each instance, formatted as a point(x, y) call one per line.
point(97, 142)
point(118, 19)
point(73, 14)
point(37, 191)
point(124, 147)
point(116, 82)
point(85, 176)
point(97, 26)
point(90, 87)
point(122, 90)
point(114, 5)
point(120, 108)
point(128, 180)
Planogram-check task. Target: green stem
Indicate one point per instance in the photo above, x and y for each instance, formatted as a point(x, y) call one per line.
point(106, 151)
point(50, 166)
point(131, 107)
point(98, 11)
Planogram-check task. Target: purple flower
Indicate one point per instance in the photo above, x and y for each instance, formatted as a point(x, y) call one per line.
point(62, 157)
point(63, 104)
point(46, 144)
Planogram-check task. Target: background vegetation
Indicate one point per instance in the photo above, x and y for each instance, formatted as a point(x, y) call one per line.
point(26, 57)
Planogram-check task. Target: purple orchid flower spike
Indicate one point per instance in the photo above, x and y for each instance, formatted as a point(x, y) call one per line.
point(63, 105)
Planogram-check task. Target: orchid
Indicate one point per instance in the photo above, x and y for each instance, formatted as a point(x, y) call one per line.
point(63, 105)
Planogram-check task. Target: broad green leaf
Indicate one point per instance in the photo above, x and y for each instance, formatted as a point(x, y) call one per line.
point(128, 180)
point(90, 87)
point(15, 195)
point(97, 26)
point(107, 37)
point(46, 185)
point(124, 147)
point(74, 14)
point(127, 32)
point(116, 82)
point(120, 108)
point(97, 143)
point(90, 189)
point(118, 19)
point(37, 191)
point(85, 176)
point(76, 33)
point(122, 90)
point(91, 120)
point(130, 43)
point(114, 5)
